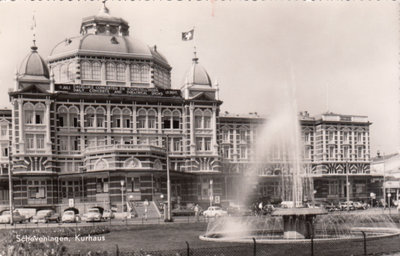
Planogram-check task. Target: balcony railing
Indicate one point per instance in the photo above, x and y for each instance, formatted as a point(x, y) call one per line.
point(121, 147)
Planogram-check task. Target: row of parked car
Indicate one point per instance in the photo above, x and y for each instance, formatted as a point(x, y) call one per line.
point(48, 215)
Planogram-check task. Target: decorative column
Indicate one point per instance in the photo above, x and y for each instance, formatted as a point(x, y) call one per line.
point(367, 153)
point(159, 117)
point(235, 156)
point(338, 156)
point(21, 126)
point(353, 148)
point(108, 116)
point(127, 74)
point(103, 72)
point(192, 139)
point(134, 125)
point(323, 143)
point(214, 126)
point(14, 132)
point(82, 124)
point(48, 126)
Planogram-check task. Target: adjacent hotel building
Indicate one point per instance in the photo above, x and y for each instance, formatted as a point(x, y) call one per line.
point(99, 118)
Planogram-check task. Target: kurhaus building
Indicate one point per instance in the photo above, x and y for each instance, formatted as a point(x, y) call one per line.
point(99, 117)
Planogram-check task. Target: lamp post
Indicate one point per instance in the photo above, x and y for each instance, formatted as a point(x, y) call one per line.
point(168, 219)
point(389, 195)
point(211, 192)
point(347, 187)
point(10, 191)
point(122, 193)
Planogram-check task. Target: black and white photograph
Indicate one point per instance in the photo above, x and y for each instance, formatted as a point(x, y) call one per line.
point(199, 128)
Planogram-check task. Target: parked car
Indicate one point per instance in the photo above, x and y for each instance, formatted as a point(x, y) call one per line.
point(215, 211)
point(344, 205)
point(5, 217)
point(70, 216)
point(183, 211)
point(93, 214)
point(45, 216)
point(108, 214)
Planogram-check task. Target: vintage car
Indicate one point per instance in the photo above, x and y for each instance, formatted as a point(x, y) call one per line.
point(70, 216)
point(108, 214)
point(45, 216)
point(5, 217)
point(93, 214)
point(214, 211)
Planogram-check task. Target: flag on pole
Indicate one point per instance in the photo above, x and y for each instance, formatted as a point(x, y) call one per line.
point(186, 36)
point(33, 25)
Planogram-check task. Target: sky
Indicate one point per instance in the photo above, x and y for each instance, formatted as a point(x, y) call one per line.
point(339, 56)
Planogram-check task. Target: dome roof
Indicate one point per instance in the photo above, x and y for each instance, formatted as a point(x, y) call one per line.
point(197, 75)
point(105, 35)
point(105, 45)
point(33, 65)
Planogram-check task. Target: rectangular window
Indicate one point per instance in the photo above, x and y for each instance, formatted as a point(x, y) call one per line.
point(199, 144)
point(141, 123)
point(75, 121)
point(197, 122)
point(90, 120)
point(4, 150)
point(40, 141)
point(152, 123)
point(37, 192)
point(100, 121)
point(61, 121)
point(75, 143)
point(30, 141)
point(207, 144)
point(38, 119)
point(136, 184)
point(167, 123)
point(63, 143)
point(28, 117)
point(177, 144)
point(207, 122)
point(242, 134)
point(127, 123)
point(4, 129)
point(175, 124)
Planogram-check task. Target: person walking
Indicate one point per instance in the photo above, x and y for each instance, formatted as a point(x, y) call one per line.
point(196, 212)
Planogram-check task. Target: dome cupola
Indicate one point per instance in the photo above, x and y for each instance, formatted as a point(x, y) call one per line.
point(104, 24)
point(33, 66)
point(197, 74)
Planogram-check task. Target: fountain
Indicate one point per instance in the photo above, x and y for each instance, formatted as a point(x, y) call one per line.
point(280, 141)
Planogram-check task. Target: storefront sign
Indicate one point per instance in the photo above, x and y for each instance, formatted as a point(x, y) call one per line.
point(119, 90)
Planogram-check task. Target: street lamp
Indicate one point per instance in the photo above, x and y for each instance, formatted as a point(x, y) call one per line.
point(389, 195)
point(211, 192)
point(168, 218)
point(122, 193)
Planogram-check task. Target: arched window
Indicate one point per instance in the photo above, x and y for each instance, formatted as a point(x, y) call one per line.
point(86, 70)
point(96, 68)
point(132, 163)
point(101, 164)
point(110, 71)
point(100, 117)
point(126, 118)
point(71, 72)
point(176, 119)
point(116, 118)
point(198, 116)
point(166, 119)
point(28, 111)
point(152, 117)
point(141, 119)
point(90, 117)
point(64, 73)
point(207, 119)
point(120, 72)
point(135, 74)
point(62, 116)
point(39, 113)
point(73, 116)
point(144, 74)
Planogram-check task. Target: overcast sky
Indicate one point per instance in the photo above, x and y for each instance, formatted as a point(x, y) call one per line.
point(344, 56)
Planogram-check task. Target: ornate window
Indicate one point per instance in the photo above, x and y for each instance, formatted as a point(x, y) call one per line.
point(86, 70)
point(126, 118)
point(116, 118)
point(166, 119)
point(110, 71)
point(73, 117)
point(28, 111)
point(132, 163)
point(39, 113)
point(198, 116)
point(120, 72)
point(135, 73)
point(96, 68)
point(144, 74)
point(90, 117)
point(152, 116)
point(141, 119)
point(71, 72)
point(207, 119)
point(176, 119)
point(62, 116)
point(100, 117)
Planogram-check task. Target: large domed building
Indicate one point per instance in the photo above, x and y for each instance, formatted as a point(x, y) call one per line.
point(98, 123)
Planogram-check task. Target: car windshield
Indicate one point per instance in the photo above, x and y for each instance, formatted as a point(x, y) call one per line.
point(41, 213)
point(217, 208)
point(94, 210)
point(69, 213)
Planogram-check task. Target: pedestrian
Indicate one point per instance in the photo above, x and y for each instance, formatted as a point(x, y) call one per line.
point(196, 212)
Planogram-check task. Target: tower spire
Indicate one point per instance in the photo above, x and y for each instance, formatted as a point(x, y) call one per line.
point(195, 59)
point(33, 28)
